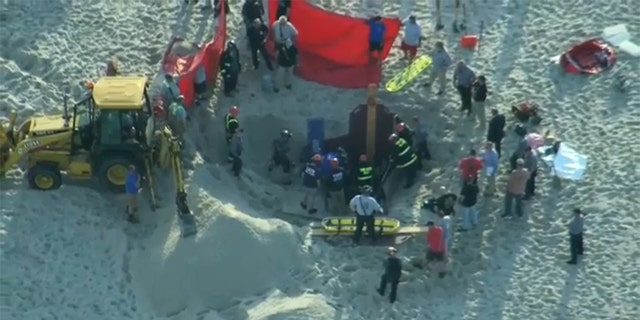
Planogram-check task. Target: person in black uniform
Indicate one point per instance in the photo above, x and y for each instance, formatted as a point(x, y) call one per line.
point(404, 131)
point(334, 185)
point(230, 67)
point(392, 273)
point(252, 10)
point(231, 124)
point(364, 172)
point(283, 8)
point(257, 34)
point(311, 181)
point(404, 159)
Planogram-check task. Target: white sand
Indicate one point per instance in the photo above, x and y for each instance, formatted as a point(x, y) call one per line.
point(69, 255)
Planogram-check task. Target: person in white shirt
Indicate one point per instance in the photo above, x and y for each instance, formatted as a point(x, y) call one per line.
point(366, 207)
point(412, 38)
point(283, 30)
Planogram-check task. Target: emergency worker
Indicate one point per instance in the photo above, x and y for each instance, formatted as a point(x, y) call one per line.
point(280, 156)
point(404, 159)
point(231, 125)
point(365, 172)
point(311, 182)
point(334, 184)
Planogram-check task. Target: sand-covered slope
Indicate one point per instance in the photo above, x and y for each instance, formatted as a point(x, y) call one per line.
point(69, 254)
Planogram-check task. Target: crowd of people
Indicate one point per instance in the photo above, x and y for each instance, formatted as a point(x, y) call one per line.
point(325, 176)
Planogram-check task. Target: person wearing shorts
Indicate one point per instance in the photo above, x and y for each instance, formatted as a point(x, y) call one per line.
point(412, 38)
point(436, 253)
point(132, 187)
point(376, 37)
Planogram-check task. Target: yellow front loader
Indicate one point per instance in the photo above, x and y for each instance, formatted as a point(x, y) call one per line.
point(103, 134)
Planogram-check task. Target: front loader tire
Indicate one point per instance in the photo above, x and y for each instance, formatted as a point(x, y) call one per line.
point(112, 173)
point(44, 177)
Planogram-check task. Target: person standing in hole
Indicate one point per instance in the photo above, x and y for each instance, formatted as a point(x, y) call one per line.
point(258, 33)
point(392, 272)
point(377, 31)
point(132, 188)
point(576, 228)
point(280, 157)
point(236, 147)
point(495, 132)
point(311, 181)
point(479, 98)
point(366, 208)
point(463, 79)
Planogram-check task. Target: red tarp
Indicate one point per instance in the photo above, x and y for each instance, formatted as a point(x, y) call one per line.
point(333, 48)
point(186, 67)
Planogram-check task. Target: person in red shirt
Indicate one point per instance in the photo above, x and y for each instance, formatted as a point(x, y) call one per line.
point(437, 250)
point(470, 166)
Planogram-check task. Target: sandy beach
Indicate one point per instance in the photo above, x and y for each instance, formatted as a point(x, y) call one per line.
point(69, 254)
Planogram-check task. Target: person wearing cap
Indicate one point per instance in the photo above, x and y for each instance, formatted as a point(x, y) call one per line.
point(231, 124)
point(576, 229)
point(404, 159)
point(132, 188)
point(412, 38)
point(257, 33)
point(441, 61)
point(392, 272)
point(178, 117)
point(437, 248)
point(334, 185)
point(230, 67)
point(405, 132)
point(515, 189)
point(311, 181)
point(364, 174)
point(366, 208)
point(280, 156)
point(236, 147)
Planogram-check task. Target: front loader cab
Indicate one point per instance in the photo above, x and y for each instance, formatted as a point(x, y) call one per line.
point(121, 109)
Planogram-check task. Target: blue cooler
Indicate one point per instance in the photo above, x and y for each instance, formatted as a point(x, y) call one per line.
point(315, 134)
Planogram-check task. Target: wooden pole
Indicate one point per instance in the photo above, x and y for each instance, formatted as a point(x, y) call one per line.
point(372, 113)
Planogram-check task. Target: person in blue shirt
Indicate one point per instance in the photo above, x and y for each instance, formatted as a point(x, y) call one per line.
point(311, 183)
point(132, 187)
point(376, 37)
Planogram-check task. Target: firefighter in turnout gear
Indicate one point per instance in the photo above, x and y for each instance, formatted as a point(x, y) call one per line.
point(231, 125)
point(365, 172)
point(404, 159)
point(230, 67)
